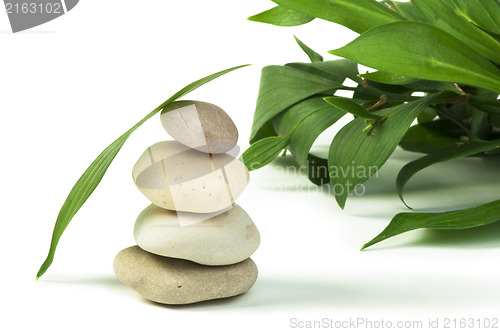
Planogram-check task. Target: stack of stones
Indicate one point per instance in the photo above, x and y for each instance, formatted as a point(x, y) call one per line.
point(193, 242)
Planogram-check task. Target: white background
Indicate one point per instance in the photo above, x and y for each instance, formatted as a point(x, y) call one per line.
point(70, 87)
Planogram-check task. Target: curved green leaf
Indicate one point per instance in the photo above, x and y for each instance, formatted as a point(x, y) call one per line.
point(282, 16)
point(356, 155)
point(305, 121)
point(423, 51)
point(432, 137)
point(284, 86)
point(427, 115)
point(465, 150)
point(483, 13)
point(407, 9)
point(264, 152)
point(336, 71)
point(388, 78)
point(443, 14)
point(462, 219)
point(317, 170)
point(313, 56)
point(348, 106)
point(91, 178)
point(357, 15)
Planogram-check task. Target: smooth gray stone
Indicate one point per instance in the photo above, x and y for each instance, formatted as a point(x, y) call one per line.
point(199, 125)
point(177, 281)
point(210, 239)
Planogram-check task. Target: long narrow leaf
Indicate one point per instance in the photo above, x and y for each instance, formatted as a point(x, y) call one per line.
point(407, 9)
point(282, 16)
point(483, 13)
point(388, 78)
point(336, 71)
point(317, 170)
point(356, 155)
point(264, 152)
point(435, 136)
point(305, 121)
point(91, 178)
point(284, 86)
point(423, 51)
point(348, 106)
point(416, 166)
point(444, 15)
point(357, 15)
point(313, 56)
point(462, 219)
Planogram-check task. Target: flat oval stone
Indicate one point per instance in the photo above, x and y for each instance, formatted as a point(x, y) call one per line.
point(210, 239)
point(177, 281)
point(201, 126)
point(175, 177)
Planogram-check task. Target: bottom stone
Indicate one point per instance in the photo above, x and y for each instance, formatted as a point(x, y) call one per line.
point(177, 281)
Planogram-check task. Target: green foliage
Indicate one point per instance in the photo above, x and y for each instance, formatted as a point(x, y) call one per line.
point(264, 151)
point(283, 86)
point(447, 51)
point(358, 151)
point(313, 56)
point(357, 15)
point(91, 178)
point(423, 51)
point(462, 219)
point(282, 16)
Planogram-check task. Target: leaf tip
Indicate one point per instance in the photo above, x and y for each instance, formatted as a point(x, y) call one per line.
point(400, 194)
point(369, 244)
point(254, 18)
point(341, 201)
point(341, 53)
point(409, 207)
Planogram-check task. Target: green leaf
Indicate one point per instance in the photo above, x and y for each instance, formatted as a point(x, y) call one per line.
point(493, 35)
point(462, 219)
point(423, 51)
point(305, 121)
point(91, 178)
point(263, 152)
point(495, 120)
point(388, 78)
point(465, 150)
point(443, 14)
point(317, 170)
point(431, 137)
point(432, 86)
point(407, 9)
point(357, 15)
point(373, 93)
point(427, 115)
point(282, 16)
point(284, 86)
point(313, 56)
point(348, 106)
point(483, 13)
point(479, 125)
point(356, 155)
point(336, 71)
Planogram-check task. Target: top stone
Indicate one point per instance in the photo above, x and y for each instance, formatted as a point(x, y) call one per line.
point(201, 126)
